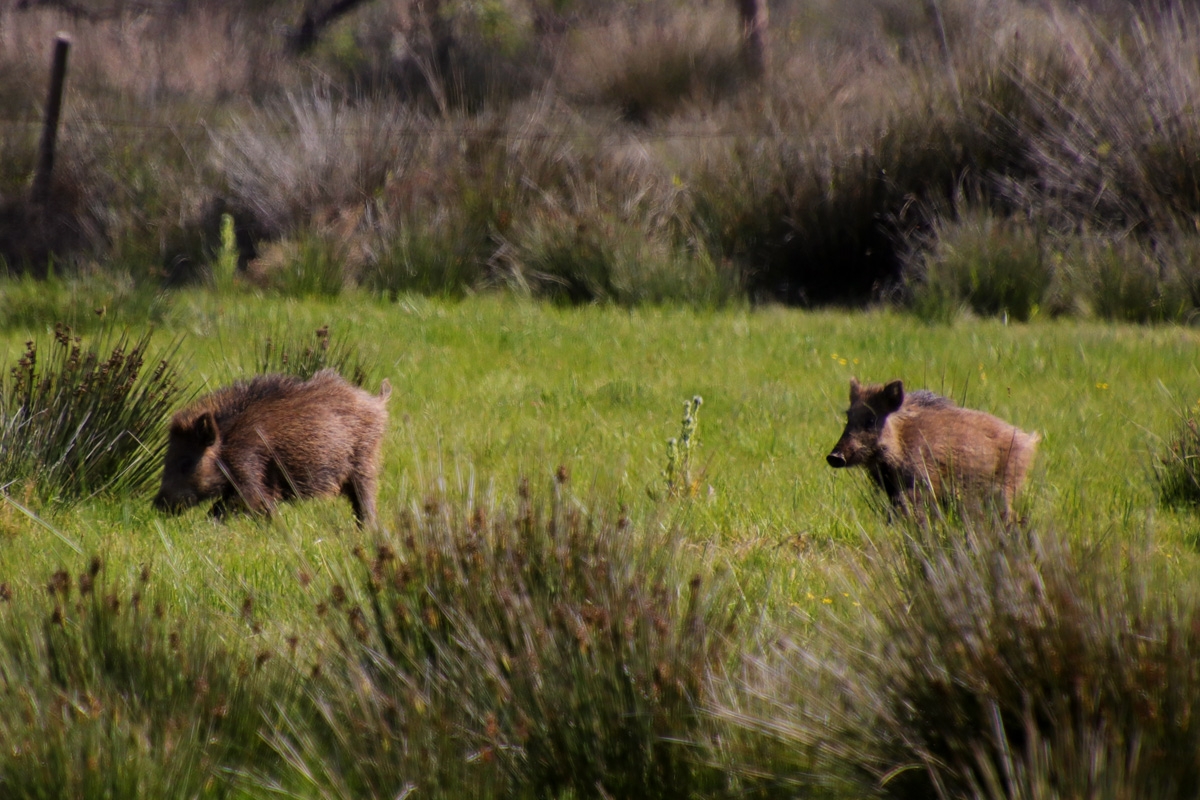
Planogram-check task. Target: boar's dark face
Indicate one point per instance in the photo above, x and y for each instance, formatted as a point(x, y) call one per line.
point(191, 470)
point(869, 409)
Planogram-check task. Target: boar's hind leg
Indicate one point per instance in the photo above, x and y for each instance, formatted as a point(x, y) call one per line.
point(361, 494)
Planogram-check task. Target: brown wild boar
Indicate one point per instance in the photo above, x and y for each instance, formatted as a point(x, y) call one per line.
point(276, 437)
point(921, 442)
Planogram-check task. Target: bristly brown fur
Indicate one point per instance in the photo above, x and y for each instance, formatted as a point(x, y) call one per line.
point(230, 401)
point(253, 444)
point(921, 442)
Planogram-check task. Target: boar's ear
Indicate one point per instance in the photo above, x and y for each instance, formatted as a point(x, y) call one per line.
point(855, 390)
point(206, 430)
point(893, 395)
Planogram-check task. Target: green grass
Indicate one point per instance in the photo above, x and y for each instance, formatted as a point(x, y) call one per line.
point(491, 389)
point(1025, 163)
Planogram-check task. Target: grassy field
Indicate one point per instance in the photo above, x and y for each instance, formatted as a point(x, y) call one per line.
point(553, 227)
point(492, 389)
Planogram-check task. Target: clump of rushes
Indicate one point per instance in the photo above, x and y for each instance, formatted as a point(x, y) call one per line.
point(79, 419)
point(306, 357)
point(991, 663)
point(1177, 469)
point(1015, 665)
point(678, 473)
point(537, 652)
point(109, 692)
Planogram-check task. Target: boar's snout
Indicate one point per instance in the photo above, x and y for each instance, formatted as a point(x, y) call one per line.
point(836, 460)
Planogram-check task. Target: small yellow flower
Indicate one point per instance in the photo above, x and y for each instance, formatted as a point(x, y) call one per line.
point(810, 596)
point(856, 361)
point(1102, 386)
point(842, 361)
point(834, 356)
point(827, 601)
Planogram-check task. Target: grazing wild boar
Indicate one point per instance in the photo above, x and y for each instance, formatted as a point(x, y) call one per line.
point(276, 437)
point(921, 442)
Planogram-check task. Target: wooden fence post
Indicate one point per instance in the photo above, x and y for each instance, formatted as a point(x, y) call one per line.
point(45, 163)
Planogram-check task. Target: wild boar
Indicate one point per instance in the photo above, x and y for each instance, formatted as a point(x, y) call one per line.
point(274, 438)
point(920, 442)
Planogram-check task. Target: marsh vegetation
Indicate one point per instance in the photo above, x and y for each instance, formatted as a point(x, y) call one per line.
point(554, 228)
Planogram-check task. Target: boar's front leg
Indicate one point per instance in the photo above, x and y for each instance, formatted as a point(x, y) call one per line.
point(219, 509)
point(245, 494)
point(892, 483)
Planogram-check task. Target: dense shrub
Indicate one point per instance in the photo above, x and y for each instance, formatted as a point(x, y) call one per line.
point(440, 134)
point(804, 226)
point(596, 257)
point(312, 265)
point(525, 653)
point(995, 663)
point(1018, 665)
point(448, 258)
point(1129, 282)
point(313, 157)
point(648, 66)
point(78, 420)
point(991, 266)
point(72, 221)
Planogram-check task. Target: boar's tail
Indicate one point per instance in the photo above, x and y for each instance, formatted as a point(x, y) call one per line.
point(385, 390)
